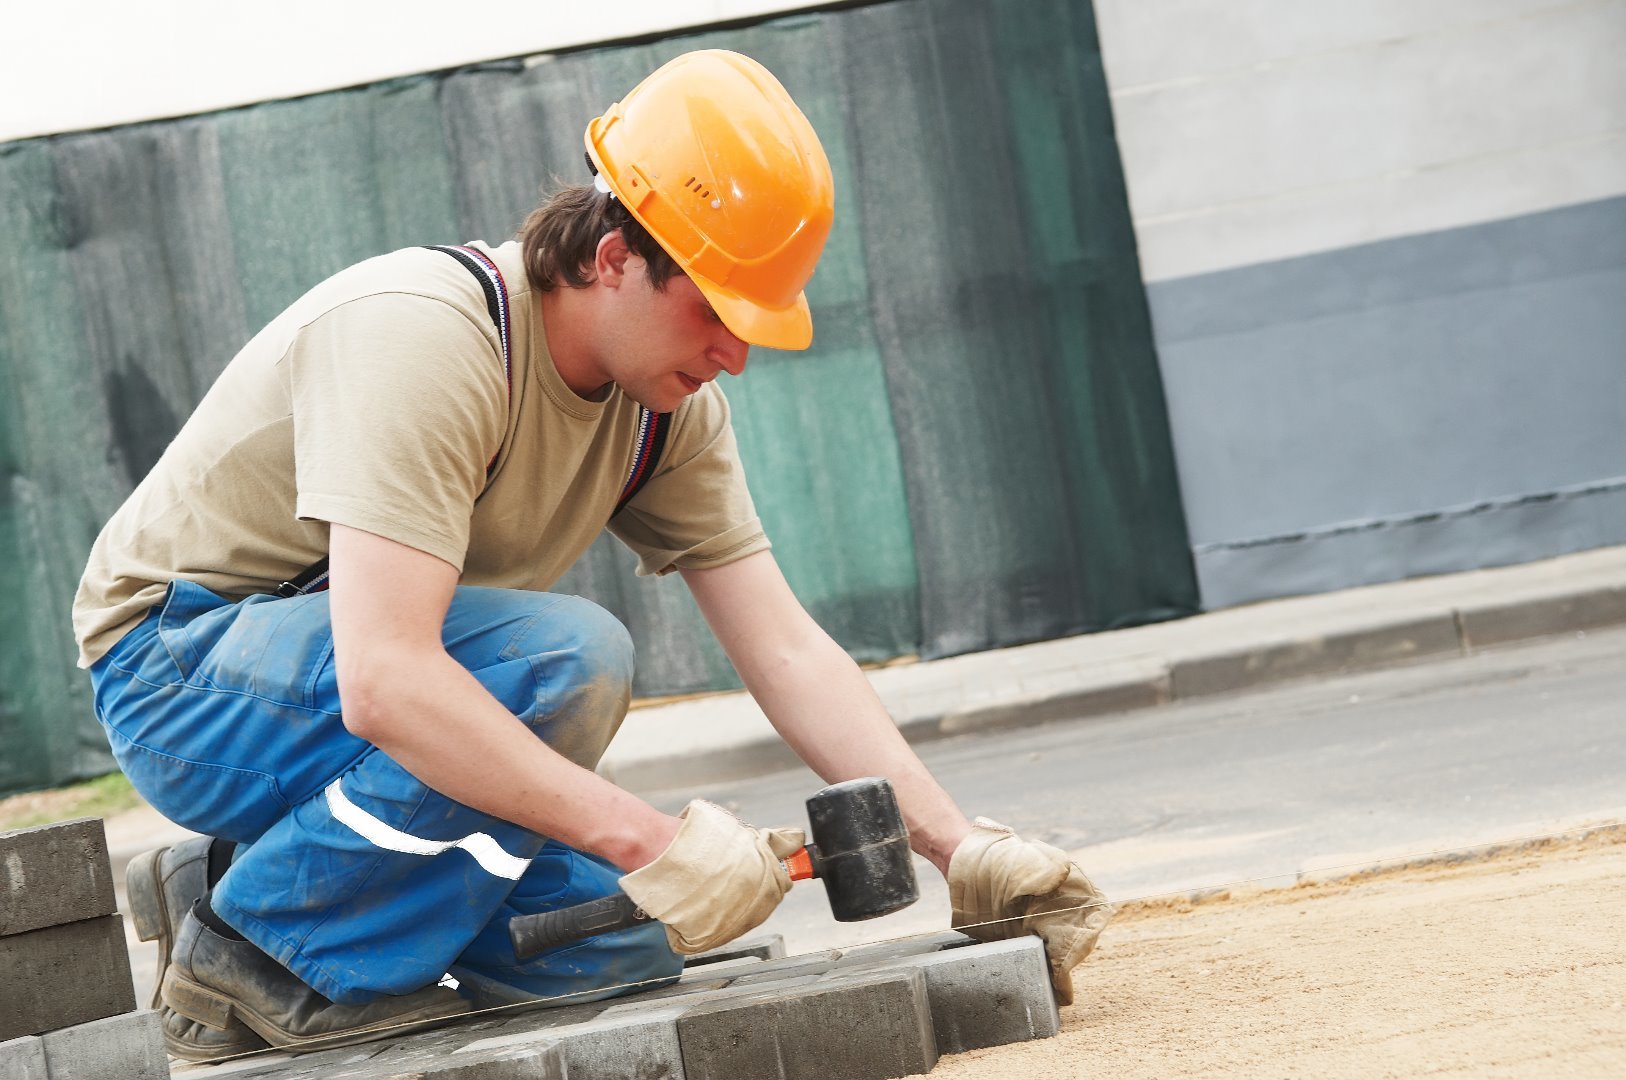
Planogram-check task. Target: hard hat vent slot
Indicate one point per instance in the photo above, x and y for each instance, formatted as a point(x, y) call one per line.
point(698, 187)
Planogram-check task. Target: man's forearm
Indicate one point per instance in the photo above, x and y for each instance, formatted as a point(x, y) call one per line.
point(822, 705)
point(429, 714)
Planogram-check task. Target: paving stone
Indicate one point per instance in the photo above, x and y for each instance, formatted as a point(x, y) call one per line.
point(763, 947)
point(263, 1064)
point(543, 1061)
point(54, 874)
point(641, 1044)
point(985, 995)
point(665, 993)
point(816, 963)
point(455, 1036)
point(127, 1047)
point(919, 945)
point(861, 1026)
point(59, 976)
point(721, 969)
point(698, 995)
point(342, 1063)
point(23, 1059)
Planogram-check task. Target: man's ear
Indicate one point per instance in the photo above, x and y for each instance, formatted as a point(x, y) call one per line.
point(610, 259)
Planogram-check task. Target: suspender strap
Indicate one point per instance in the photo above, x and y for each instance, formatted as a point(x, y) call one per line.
point(652, 430)
point(490, 278)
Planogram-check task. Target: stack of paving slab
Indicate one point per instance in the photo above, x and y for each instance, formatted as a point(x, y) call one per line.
point(864, 1013)
point(67, 1003)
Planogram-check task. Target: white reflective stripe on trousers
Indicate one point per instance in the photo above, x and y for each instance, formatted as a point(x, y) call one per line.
point(486, 851)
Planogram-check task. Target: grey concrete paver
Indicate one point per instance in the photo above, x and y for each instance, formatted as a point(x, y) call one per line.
point(984, 995)
point(64, 975)
point(789, 967)
point(129, 1047)
point(863, 1026)
point(540, 1061)
point(23, 1059)
point(643, 1042)
point(54, 874)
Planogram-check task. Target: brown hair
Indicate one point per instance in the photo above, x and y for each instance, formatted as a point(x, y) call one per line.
point(560, 239)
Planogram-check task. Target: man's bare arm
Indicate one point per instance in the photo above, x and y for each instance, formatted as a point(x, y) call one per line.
point(816, 696)
point(403, 693)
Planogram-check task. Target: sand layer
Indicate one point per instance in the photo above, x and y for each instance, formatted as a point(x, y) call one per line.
point(1512, 966)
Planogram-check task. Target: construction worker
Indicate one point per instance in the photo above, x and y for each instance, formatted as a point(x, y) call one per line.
point(319, 632)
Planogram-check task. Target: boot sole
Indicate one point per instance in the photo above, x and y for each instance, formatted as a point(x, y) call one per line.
point(205, 1056)
point(197, 1002)
point(146, 896)
point(149, 913)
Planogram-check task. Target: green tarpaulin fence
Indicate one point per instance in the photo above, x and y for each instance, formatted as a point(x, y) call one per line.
point(974, 453)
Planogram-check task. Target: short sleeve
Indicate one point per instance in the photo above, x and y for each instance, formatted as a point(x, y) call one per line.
point(399, 403)
point(696, 511)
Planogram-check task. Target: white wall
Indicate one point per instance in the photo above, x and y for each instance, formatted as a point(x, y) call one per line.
point(1265, 129)
point(96, 63)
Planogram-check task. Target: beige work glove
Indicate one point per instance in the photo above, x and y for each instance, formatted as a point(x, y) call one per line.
point(717, 879)
point(996, 875)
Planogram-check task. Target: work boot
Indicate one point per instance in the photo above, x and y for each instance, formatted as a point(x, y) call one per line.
point(216, 980)
point(162, 885)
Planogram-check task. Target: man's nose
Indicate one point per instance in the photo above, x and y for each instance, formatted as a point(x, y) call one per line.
point(729, 352)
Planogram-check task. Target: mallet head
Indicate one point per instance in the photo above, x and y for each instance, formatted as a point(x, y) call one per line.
point(860, 848)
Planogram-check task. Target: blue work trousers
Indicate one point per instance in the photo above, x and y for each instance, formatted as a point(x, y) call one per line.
point(352, 873)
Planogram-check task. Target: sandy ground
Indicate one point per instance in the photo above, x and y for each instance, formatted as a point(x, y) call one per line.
point(1511, 966)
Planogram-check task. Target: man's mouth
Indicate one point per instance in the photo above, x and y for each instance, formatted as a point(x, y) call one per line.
point(690, 382)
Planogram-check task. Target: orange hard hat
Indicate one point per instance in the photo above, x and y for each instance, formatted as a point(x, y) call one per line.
point(712, 156)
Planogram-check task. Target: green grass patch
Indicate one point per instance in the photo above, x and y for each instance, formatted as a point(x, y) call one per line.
point(101, 797)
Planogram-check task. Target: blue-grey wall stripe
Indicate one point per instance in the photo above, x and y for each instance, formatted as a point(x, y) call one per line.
point(1418, 405)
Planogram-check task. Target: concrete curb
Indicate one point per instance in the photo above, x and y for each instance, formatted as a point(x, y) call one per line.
point(725, 737)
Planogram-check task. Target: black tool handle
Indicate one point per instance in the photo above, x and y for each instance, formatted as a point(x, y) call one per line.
point(530, 934)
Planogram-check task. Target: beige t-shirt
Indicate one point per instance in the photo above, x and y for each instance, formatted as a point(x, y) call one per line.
point(377, 401)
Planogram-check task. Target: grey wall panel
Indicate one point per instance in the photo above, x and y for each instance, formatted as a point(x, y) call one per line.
point(1574, 241)
point(1338, 393)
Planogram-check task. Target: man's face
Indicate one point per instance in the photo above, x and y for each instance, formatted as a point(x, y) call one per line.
point(664, 344)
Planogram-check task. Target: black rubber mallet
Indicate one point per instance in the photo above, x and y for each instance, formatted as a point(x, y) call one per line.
point(860, 850)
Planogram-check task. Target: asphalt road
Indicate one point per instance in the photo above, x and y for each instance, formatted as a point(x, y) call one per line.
point(1260, 786)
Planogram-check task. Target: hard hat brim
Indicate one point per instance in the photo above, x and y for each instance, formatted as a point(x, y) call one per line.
point(786, 328)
